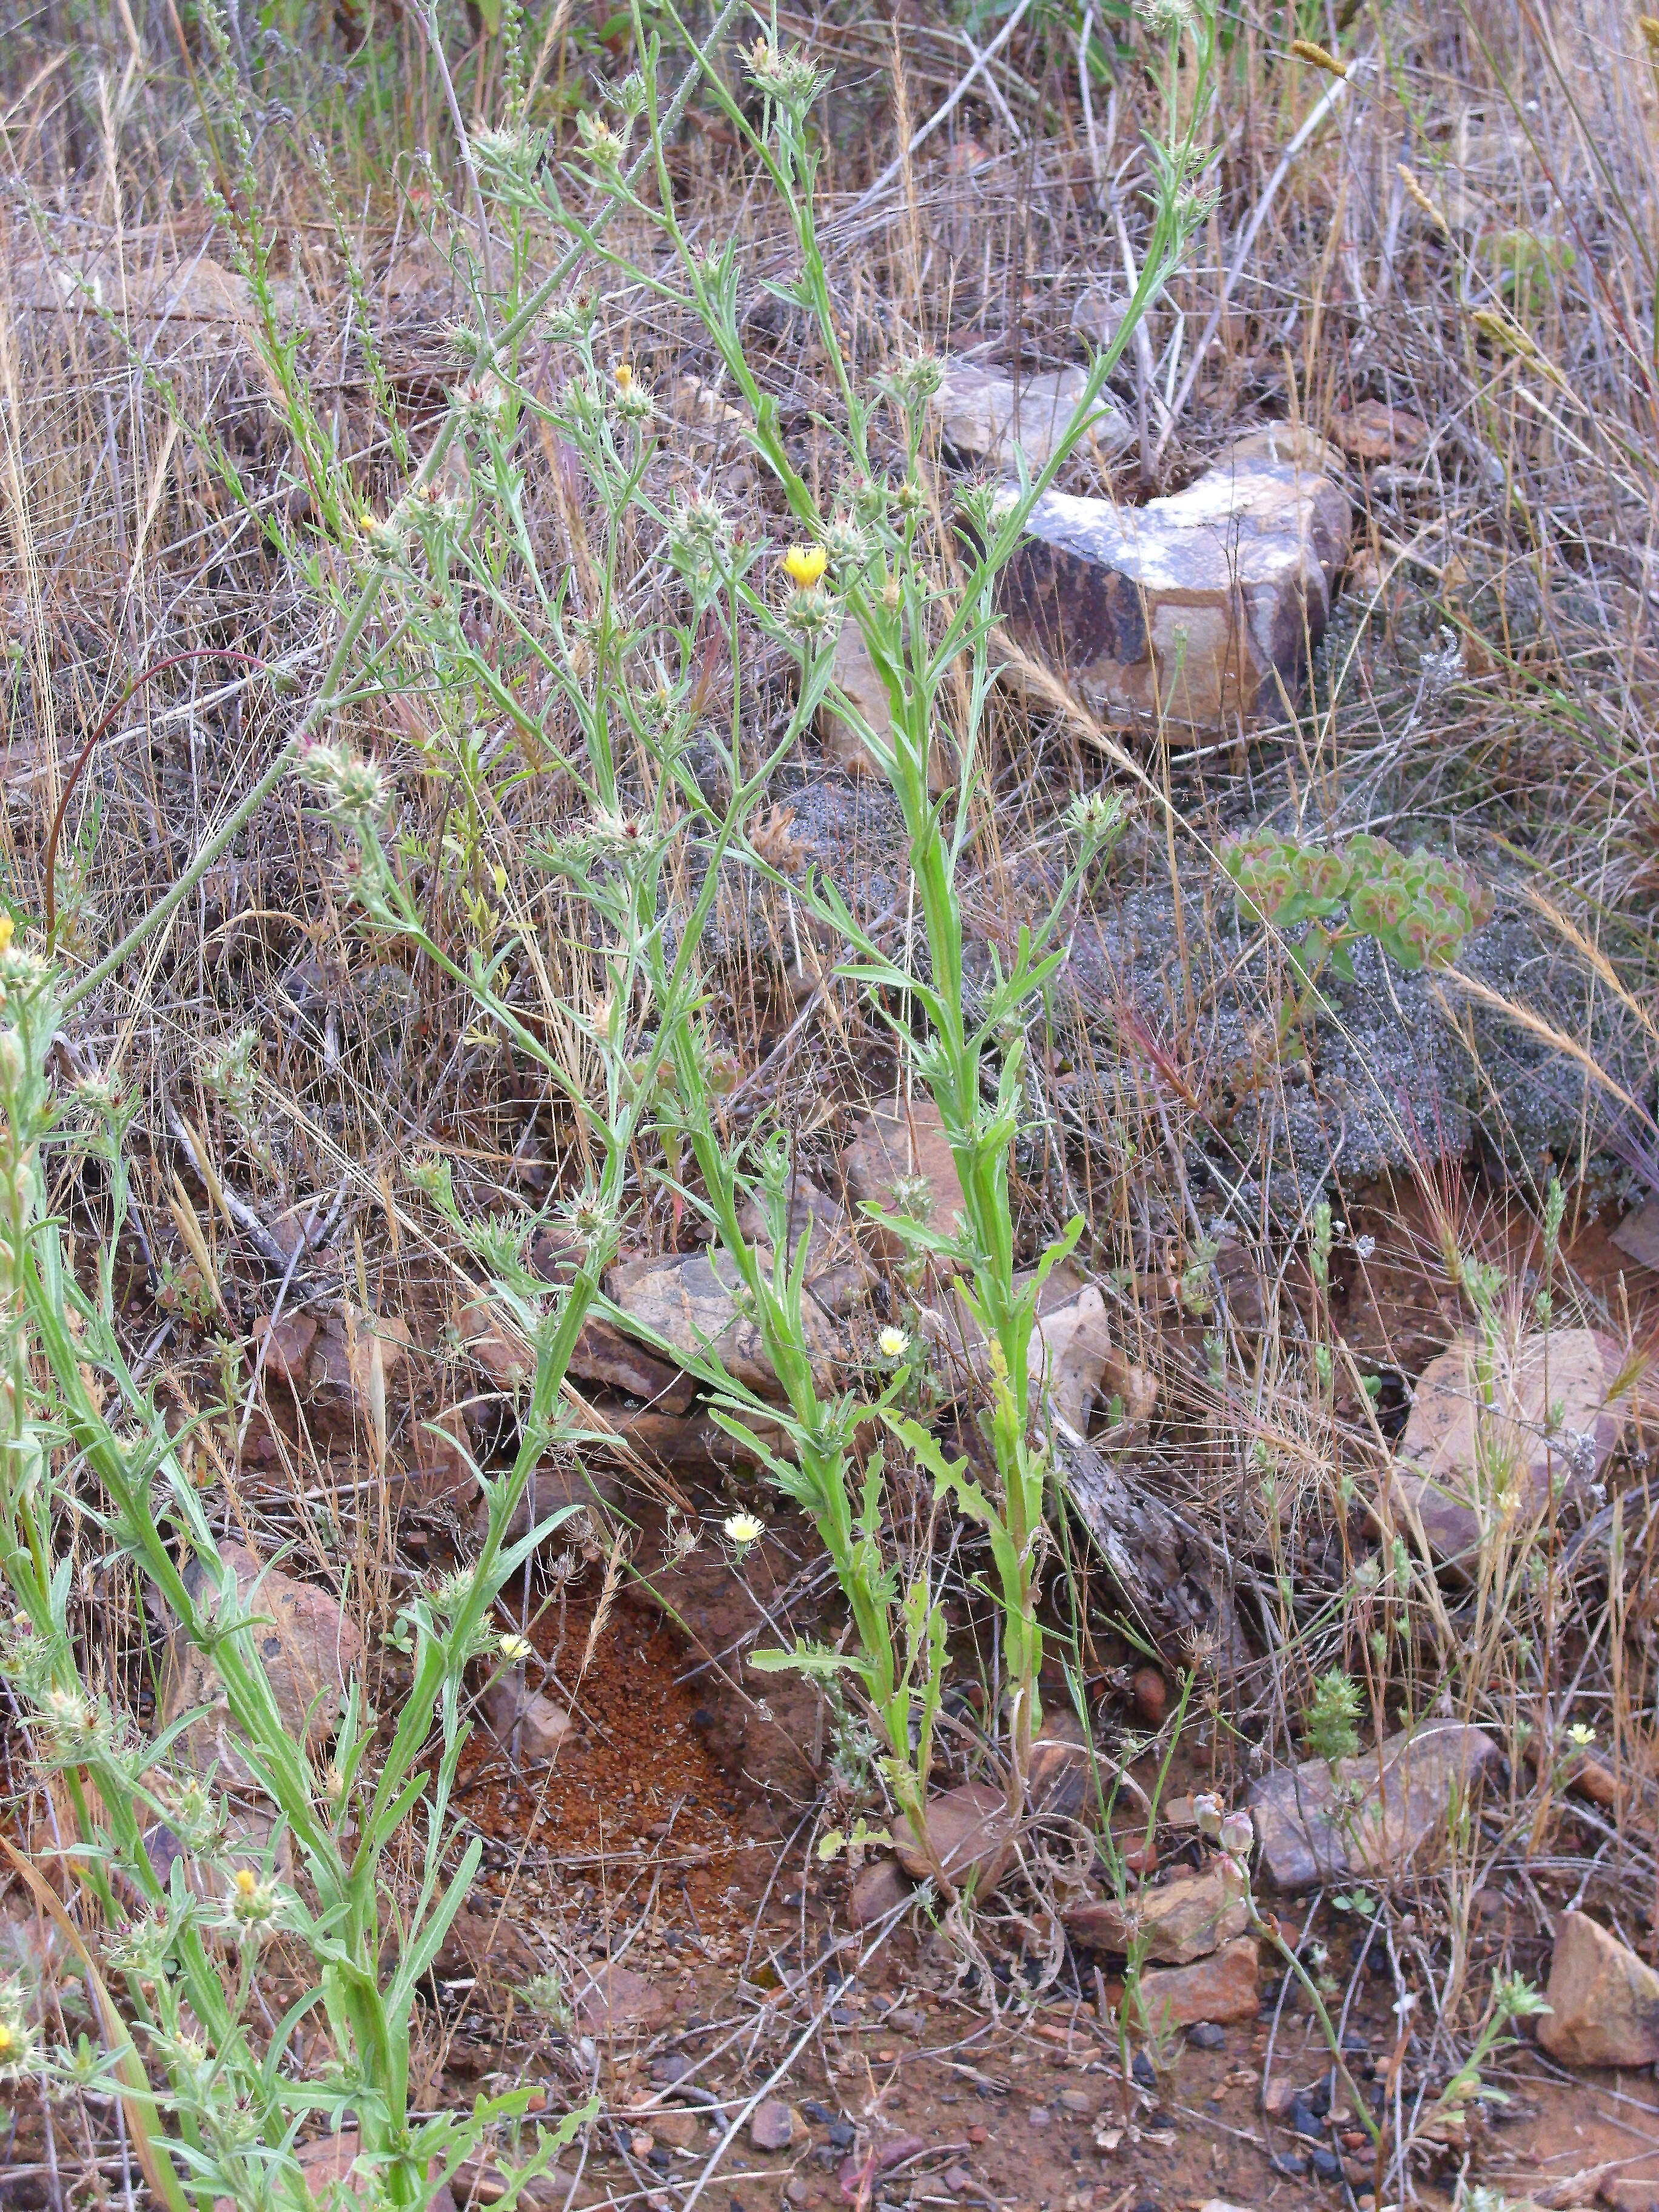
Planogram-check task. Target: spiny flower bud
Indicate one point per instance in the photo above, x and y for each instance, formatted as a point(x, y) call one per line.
point(350, 786)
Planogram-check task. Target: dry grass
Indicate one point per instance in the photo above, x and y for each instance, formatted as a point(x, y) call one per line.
point(1523, 538)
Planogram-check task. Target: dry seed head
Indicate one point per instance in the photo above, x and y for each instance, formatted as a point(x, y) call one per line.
point(1415, 194)
point(1649, 26)
point(1321, 56)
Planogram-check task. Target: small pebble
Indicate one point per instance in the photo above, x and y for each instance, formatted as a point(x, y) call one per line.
point(797, 2188)
point(958, 2180)
point(1038, 2117)
point(1205, 2035)
point(977, 2134)
point(1077, 2100)
point(772, 2125)
point(1151, 1694)
point(642, 2144)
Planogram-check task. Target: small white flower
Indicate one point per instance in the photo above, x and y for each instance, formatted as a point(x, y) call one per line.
point(743, 1529)
point(892, 1343)
point(1209, 1811)
point(515, 1648)
point(1582, 1737)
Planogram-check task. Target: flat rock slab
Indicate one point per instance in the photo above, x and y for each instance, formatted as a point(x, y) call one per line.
point(1603, 2000)
point(899, 1151)
point(1224, 1988)
point(686, 1302)
point(1637, 1235)
point(310, 1647)
point(618, 2002)
point(1549, 1416)
point(1375, 1815)
point(1200, 608)
point(1178, 1921)
point(972, 1831)
point(986, 415)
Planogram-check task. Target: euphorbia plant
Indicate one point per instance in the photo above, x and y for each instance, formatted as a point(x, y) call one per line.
point(1417, 907)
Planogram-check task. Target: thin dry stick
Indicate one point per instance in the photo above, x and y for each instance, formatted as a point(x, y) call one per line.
point(941, 113)
point(1326, 103)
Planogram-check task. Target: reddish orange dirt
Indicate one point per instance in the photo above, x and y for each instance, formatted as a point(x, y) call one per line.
point(634, 1789)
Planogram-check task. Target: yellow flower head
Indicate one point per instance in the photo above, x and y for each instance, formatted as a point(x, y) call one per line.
point(7, 927)
point(625, 376)
point(744, 1528)
point(806, 565)
point(892, 1342)
point(8, 2040)
point(247, 1881)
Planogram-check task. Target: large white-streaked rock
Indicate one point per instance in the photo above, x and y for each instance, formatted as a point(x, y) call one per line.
point(1199, 609)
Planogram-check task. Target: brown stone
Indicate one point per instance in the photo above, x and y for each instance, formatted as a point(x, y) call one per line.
point(526, 1720)
point(1221, 1988)
point(685, 1301)
point(355, 1360)
point(605, 1354)
point(1637, 1236)
point(616, 2001)
point(496, 1346)
point(1604, 2001)
point(854, 674)
point(1371, 430)
point(1624, 2192)
point(487, 1945)
point(1198, 608)
point(1376, 1816)
point(837, 1276)
point(973, 1832)
point(555, 1485)
point(1151, 1695)
point(1058, 1778)
point(772, 2125)
point(309, 1647)
point(673, 2126)
point(1553, 1417)
point(1176, 1921)
point(878, 1889)
point(900, 1141)
point(328, 2161)
point(439, 1465)
point(287, 1341)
